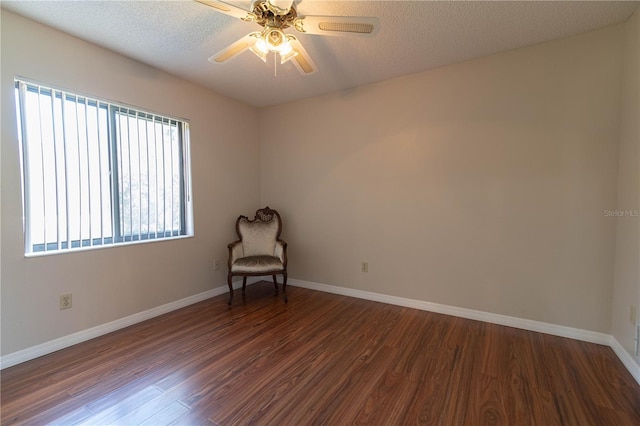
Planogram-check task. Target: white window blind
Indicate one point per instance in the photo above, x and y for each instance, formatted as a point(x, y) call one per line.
point(95, 173)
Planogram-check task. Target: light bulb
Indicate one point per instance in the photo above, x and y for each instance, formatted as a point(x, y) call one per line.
point(284, 57)
point(262, 46)
point(260, 49)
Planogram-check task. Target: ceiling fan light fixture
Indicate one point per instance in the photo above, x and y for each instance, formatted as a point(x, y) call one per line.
point(274, 40)
point(260, 48)
point(285, 57)
point(285, 48)
point(262, 45)
point(287, 52)
point(259, 53)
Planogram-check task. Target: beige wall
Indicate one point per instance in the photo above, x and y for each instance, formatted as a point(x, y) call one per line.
point(627, 254)
point(480, 185)
point(109, 284)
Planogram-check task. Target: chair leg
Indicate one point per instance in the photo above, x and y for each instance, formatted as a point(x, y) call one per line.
point(275, 282)
point(230, 289)
point(284, 285)
point(244, 284)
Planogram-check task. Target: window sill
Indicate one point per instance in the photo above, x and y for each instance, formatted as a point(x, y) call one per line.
point(110, 246)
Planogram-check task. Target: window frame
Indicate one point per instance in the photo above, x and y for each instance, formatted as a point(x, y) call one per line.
point(118, 235)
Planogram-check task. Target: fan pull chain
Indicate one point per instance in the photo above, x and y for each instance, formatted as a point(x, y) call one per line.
point(275, 64)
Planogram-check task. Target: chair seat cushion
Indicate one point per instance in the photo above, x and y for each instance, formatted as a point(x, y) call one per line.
point(257, 264)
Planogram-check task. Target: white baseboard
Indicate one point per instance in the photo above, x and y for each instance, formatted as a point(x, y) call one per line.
point(84, 335)
point(525, 324)
point(542, 327)
point(626, 358)
point(538, 326)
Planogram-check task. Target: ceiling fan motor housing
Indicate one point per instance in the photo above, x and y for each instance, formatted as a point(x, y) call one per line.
point(268, 16)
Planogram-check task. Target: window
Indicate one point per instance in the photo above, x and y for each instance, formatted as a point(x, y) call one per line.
point(95, 173)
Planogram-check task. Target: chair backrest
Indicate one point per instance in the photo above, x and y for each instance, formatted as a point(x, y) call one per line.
point(259, 235)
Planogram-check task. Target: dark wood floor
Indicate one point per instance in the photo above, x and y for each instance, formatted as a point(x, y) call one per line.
point(321, 359)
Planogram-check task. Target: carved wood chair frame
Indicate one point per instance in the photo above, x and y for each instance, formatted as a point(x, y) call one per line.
point(264, 215)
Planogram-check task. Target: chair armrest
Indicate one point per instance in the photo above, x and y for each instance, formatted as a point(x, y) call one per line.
point(235, 252)
point(281, 252)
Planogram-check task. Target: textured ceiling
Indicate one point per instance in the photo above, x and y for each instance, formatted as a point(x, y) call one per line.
point(179, 36)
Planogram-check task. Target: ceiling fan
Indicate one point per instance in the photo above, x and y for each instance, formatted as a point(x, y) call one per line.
point(277, 15)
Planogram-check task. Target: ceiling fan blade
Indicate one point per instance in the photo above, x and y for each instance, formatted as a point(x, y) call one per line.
point(338, 25)
point(229, 9)
point(234, 49)
point(302, 60)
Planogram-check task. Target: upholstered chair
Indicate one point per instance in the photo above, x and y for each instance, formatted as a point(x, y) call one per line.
point(259, 250)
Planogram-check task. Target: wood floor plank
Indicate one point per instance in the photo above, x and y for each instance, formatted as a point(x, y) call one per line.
point(73, 417)
point(320, 359)
point(166, 416)
point(120, 409)
point(156, 411)
point(400, 377)
point(282, 369)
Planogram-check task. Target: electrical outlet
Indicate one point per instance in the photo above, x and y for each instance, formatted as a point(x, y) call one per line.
point(633, 314)
point(365, 266)
point(216, 264)
point(65, 301)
